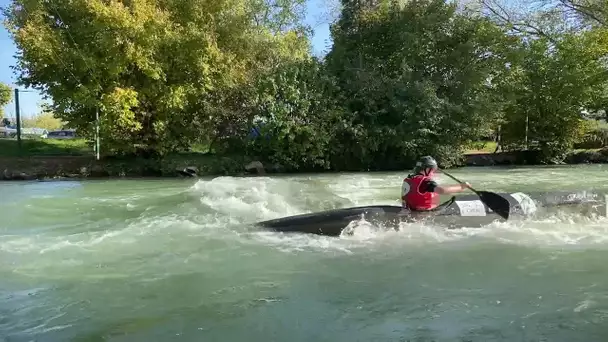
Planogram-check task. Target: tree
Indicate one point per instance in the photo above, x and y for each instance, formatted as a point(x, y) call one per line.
point(6, 95)
point(418, 77)
point(296, 111)
point(158, 71)
point(547, 18)
point(46, 119)
point(557, 81)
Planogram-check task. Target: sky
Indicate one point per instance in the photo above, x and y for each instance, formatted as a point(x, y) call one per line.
point(29, 102)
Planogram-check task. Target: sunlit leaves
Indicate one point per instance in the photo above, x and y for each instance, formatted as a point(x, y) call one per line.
point(6, 95)
point(155, 69)
point(557, 81)
point(416, 75)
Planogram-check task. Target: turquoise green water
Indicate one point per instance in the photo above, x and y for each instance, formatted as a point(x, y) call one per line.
point(178, 260)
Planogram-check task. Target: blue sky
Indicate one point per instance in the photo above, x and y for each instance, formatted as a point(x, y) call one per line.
point(29, 102)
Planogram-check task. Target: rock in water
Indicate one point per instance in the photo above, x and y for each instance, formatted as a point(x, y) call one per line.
point(256, 166)
point(189, 171)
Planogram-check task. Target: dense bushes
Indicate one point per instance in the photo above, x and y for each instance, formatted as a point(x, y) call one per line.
point(402, 79)
point(594, 138)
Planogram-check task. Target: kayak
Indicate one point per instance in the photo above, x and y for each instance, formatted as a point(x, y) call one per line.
point(461, 211)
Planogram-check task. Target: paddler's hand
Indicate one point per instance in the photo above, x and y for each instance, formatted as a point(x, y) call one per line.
point(465, 185)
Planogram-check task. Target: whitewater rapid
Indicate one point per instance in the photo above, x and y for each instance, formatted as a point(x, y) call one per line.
point(127, 260)
point(228, 207)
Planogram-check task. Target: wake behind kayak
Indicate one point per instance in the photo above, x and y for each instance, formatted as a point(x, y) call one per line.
point(465, 211)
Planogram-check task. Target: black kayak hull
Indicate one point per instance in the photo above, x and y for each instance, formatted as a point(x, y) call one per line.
point(464, 211)
point(330, 222)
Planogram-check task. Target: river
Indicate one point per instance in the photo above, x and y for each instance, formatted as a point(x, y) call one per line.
point(178, 260)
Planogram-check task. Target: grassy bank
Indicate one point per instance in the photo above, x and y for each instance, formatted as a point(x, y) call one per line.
point(44, 147)
point(52, 159)
point(481, 147)
point(40, 159)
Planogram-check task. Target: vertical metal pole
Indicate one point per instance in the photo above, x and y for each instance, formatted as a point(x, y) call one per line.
point(527, 127)
point(18, 117)
point(97, 134)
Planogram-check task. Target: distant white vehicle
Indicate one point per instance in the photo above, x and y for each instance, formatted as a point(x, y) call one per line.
point(34, 132)
point(8, 132)
point(11, 132)
point(62, 134)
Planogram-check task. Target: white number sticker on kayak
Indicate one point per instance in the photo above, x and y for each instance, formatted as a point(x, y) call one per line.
point(471, 208)
point(525, 202)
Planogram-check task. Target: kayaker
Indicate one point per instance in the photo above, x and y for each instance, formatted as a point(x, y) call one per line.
point(420, 192)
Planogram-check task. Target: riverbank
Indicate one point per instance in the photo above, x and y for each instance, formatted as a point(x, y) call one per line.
point(74, 158)
point(60, 167)
point(591, 156)
point(196, 164)
point(58, 159)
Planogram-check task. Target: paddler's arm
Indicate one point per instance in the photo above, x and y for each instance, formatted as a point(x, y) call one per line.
point(451, 189)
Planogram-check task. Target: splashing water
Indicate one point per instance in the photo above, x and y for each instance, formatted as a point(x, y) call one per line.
point(181, 260)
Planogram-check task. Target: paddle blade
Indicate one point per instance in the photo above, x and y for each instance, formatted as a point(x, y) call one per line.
point(497, 203)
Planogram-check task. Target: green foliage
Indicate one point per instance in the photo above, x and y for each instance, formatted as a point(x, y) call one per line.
point(6, 95)
point(156, 70)
point(295, 113)
point(45, 120)
point(555, 82)
point(416, 78)
point(596, 136)
point(403, 79)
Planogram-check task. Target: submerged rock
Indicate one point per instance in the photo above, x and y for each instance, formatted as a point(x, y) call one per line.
point(189, 171)
point(255, 167)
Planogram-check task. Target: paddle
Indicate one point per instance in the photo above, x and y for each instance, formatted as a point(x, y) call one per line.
point(494, 201)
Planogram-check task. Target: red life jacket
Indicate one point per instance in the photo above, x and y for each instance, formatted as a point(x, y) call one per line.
point(413, 199)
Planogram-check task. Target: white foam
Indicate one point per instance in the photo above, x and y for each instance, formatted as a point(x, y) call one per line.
point(260, 198)
point(222, 210)
point(266, 198)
